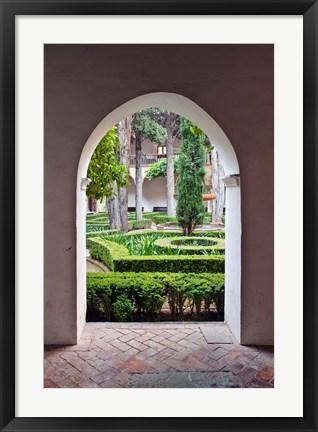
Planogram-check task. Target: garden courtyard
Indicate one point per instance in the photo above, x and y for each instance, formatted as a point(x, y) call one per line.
point(155, 253)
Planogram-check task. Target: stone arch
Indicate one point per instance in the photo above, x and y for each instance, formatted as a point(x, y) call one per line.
point(186, 108)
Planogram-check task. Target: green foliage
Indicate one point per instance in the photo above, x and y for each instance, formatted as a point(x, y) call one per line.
point(190, 208)
point(96, 228)
point(145, 126)
point(99, 297)
point(124, 296)
point(156, 234)
point(101, 229)
point(156, 217)
point(141, 224)
point(155, 243)
point(163, 219)
point(96, 222)
point(106, 251)
point(94, 216)
point(102, 233)
point(194, 245)
point(104, 168)
point(117, 258)
point(171, 263)
point(175, 233)
point(123, 308)
point(159, 169)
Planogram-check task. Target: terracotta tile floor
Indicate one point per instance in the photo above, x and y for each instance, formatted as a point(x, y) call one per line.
point(156, 355)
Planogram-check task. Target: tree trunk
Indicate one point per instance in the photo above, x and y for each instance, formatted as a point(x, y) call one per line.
point(217, 187)
point(124, 133)
point(170, 176)
point(138, 179)
point(112, 204)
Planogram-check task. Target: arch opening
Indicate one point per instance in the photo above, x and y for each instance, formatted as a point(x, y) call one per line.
point(188, 109)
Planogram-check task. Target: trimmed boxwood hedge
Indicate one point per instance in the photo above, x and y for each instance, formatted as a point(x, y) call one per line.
point(117, 258)
point(207, 245)
point(121, 296)
point(97, 222)
point(93, 216)
point(106, 251)
point(162, 219)
point(173, 233)
point(141, 224)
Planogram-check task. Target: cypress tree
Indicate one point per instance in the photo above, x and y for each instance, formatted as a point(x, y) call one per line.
point(190, 209)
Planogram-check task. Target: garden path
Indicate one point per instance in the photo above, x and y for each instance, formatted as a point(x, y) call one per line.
point(172, 355)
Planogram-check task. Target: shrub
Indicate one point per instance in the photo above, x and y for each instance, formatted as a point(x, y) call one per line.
point(162, 219)
point(143, 223)
point(96, 228)
point(98, 298)
point(93, 216)
point(121, 296)
point(123, 308)
point(107, 251)
point(171, 263)
point(101, 233)
point(144, 242)
point(175, 233)
point(205, 245)
point(97, 222)
point(117, 258)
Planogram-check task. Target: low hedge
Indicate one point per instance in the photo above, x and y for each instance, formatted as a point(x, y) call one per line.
point(93, 216)
point(101, 233)
point(171, 263)
point(117, 258)
point(208, 244)
point(123, 296)
point(90, 228)
point(110, 253)
point(175, 233)
point(97, 222)
point(140, 224)
point(162, 219)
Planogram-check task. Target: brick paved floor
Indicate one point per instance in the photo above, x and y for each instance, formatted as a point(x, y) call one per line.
point(155, 355)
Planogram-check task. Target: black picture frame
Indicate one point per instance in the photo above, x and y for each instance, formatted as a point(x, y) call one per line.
point(9, 10)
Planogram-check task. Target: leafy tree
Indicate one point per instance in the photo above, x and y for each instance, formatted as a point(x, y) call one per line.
point(144, 127)
point(104, 168)
point(190, 209)
point(159, 169)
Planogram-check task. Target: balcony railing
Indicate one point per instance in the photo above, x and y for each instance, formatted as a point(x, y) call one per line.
point(149, 159)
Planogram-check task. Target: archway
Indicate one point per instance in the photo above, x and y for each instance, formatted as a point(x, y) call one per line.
point(190, 110)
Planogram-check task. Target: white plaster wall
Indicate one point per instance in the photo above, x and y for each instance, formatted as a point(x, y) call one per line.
point(131, 193)
point(233, 261)
point(154, 193)
point(81, 270)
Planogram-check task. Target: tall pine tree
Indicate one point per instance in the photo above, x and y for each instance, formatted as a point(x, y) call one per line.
point(190, 209)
